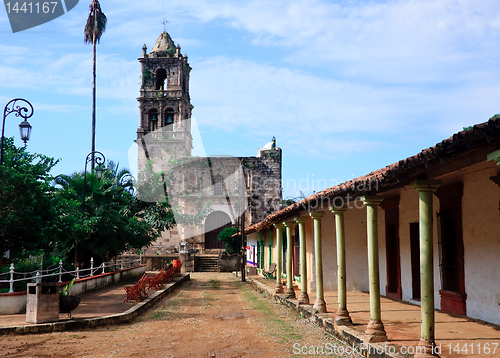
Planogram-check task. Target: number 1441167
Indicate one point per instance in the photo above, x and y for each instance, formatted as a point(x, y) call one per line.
point(31, 7)
point(472, 348)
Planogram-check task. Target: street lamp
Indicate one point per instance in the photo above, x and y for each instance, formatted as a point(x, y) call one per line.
point(127, 182)
point(99, 159)
point(241, 208)
point(22, 110)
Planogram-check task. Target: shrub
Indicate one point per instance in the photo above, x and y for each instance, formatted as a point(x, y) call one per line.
point(232, 243)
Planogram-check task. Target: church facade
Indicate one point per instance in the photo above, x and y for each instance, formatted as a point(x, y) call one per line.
point(224, 187)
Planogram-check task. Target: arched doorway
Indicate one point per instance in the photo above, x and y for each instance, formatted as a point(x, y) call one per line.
point(214, 224)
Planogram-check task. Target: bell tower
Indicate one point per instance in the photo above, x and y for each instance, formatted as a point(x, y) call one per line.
point(165, 107)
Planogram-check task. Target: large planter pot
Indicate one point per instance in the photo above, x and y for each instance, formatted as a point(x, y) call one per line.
point(68, 303)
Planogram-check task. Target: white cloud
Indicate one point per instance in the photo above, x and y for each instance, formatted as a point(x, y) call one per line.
point(347, 75)
point(71, 73)
point(254, 95)
point(244, 96)
point(388, 42)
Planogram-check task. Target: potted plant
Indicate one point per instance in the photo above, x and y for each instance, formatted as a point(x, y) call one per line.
point(68, 302)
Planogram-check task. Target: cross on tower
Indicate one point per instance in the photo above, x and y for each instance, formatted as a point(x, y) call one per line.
point(164, 22)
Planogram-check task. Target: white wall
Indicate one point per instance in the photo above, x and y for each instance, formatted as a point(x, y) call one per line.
point(252, 242)
point(481, 234)
point(408, 213)
point(13, 303)
point(356, 249)
point(329, 250)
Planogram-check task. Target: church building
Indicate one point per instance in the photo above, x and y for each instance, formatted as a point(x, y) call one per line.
point(226, 186)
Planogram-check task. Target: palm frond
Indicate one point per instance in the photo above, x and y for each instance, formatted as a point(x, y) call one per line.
point(96, 23)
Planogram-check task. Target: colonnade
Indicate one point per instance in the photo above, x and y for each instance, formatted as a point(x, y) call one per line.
point(375, 331)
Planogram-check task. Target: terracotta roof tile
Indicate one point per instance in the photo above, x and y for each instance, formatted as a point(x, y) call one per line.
point(393, 172)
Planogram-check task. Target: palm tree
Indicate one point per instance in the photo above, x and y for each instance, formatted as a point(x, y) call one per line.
point(107, 226)
point(95, 27)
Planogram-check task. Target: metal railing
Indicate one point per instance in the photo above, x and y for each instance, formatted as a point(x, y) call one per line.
point(37, 275)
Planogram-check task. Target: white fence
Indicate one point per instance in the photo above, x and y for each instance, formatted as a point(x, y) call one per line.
point(37, 275)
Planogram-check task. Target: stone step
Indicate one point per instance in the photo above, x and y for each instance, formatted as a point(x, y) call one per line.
point(207, 264)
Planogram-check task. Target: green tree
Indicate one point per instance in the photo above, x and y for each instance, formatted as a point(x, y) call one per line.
point(26, 213)
point(110, 223)
point(232, 242)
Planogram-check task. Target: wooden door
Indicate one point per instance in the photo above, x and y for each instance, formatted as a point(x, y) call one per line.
point(214, 224)
point(450, 241)
point(296, 252)
point(415, 259)
point(393, 288)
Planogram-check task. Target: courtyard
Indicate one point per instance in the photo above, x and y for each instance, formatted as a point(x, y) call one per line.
point(212, 315)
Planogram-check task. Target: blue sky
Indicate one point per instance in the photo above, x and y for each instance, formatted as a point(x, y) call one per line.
point(347, 87)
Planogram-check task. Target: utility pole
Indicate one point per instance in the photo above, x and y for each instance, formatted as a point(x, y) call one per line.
point(243, 249)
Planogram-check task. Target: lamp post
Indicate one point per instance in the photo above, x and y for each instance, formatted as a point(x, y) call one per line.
point(127, 182)
point(243, 255)
point(22, 110)
point(99, 159)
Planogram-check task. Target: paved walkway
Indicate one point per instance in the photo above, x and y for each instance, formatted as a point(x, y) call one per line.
point(104, 302)
point(457, 336)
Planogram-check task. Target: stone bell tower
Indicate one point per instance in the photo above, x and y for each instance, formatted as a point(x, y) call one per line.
point(165, 107)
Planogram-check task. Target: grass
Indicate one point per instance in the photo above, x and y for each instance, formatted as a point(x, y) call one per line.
point(208, 298)
point(163, 313)
point(213, 283)
point(276, 326)
point(76, 336)
point(286, 332)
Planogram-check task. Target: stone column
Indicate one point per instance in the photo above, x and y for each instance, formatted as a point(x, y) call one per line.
point(289, 293)
point(303, 297)
point(319, 304)
point(279, 258)
point(259, 247)
point(425, 189)
point(263, 249)
point(375, 331)
point(342, 317)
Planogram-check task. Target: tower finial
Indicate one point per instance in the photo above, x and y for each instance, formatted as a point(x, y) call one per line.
point(164, 22)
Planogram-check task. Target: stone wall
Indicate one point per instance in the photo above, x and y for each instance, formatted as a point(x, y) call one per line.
point(228, 263)
point(157, 262)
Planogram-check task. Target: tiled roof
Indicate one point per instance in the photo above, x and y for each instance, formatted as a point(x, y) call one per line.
point(396, 174)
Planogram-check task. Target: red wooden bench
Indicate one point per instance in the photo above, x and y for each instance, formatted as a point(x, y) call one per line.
point(177, 271)
point(138, 290)
point(168, 275)
point(156, 281)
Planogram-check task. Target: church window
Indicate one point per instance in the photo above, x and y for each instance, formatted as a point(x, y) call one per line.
point(219, 185)
point(192, 180)
point(161, 76)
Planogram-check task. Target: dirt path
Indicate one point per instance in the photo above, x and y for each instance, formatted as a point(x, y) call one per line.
point(213, 315)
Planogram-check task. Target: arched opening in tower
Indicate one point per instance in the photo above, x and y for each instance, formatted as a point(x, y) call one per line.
point(169, 119)
point(161, 76)
point(153, 119)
